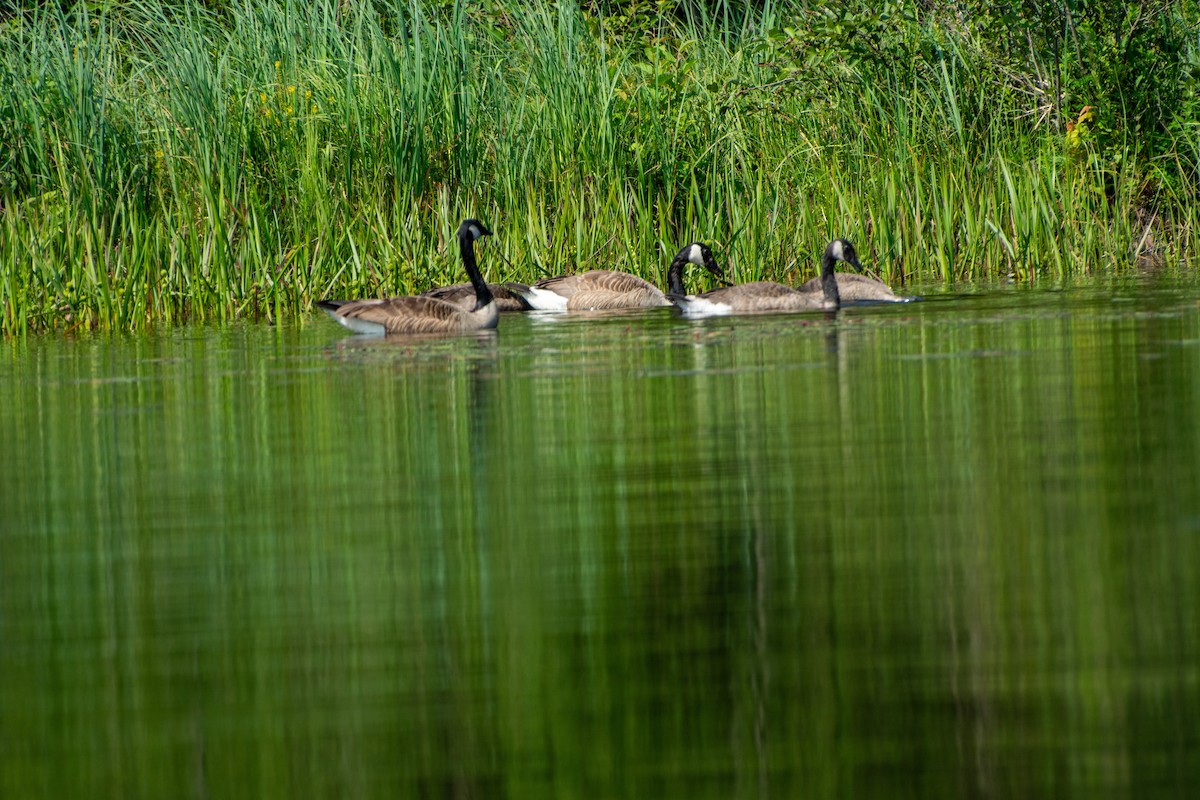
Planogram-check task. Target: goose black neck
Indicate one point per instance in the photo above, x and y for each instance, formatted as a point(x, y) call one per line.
point(829, 281)
point(483, 295)
point(675, 275)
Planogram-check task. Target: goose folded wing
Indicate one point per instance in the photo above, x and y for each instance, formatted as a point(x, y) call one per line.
point(763, 289)
point(455, 293)
point(600, 299)
point(594, 280)
point(562, 285)
point(853, 286)
point(616, 282)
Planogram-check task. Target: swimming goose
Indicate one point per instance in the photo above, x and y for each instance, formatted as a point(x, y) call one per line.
point(424, 314)
point(764, 297)
point(855, 288)
point(603, 288)
point(463, 296)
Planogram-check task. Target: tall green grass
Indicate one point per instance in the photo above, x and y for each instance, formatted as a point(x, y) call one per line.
point(163, 162)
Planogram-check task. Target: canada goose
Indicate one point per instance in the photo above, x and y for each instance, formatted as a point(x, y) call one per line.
point(764, 297)
point(603, 288)
point(463, 296)
point(424, 314)
point(855, 288)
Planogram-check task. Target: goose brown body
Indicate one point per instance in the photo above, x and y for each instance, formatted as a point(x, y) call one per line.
point(410, 315)
point(855, 288)
point(602, 288)
point(609, 289)
point(762, 297)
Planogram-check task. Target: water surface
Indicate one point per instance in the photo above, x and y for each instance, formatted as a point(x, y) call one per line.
point(946, 549)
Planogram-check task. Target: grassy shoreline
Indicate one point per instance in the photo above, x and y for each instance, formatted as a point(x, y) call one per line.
point(163, 162)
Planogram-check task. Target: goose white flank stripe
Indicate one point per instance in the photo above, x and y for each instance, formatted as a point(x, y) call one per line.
point(545, 300)
point(701, 307)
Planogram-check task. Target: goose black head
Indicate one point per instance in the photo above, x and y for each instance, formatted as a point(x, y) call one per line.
point(843, 250)
point(472, 229)
point(698, 253)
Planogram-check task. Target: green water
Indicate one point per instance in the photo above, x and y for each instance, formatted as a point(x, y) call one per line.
point(949, 549)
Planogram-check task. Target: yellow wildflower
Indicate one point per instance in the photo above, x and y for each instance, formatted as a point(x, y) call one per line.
point(291, 90)
point(262, 97)
point(278, 64)
point(1077, 131)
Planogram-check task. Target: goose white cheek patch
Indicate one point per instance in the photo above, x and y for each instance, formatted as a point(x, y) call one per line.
point(696, 256)
point(838, 251)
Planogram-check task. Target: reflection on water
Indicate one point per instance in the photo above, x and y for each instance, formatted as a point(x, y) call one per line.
point(942, 549)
